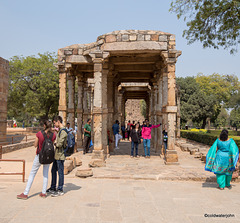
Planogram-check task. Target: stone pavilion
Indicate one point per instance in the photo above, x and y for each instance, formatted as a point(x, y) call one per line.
point(96, 77)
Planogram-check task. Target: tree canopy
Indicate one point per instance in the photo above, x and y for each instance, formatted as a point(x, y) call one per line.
point(195, 104)
point(206, 97)
point(33, 89)
point(215, 23)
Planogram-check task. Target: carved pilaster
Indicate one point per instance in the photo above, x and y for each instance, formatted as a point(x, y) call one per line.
point(62, 108)
point(71, 100)
point(80, 114)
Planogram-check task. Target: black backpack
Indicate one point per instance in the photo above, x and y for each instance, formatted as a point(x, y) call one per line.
point(46, 155)
point(70, 141)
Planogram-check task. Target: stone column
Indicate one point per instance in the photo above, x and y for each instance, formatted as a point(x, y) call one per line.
point(178, 112)
point(110, 100)
point(159, 114)
point(147, 105)
point(85, 102)
point(155, 101)
point(119, 106)
point(152, 121)
point(115, 89)
point(99, 85)
point(171, 110)
point(123, 110)
point(104, 111)
point(62, 108)
point(80, 114)
point(71, 100)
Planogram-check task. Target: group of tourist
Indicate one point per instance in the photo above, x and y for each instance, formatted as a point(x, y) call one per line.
point(136, 134)
point(59, 139)
point(221, 159)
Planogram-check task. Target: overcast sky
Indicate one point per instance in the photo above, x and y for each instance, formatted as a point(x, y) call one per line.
point(30, 27)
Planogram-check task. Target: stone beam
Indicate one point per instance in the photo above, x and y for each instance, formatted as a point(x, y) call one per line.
point(135, 67)
point(145, 46)
point(78, 59)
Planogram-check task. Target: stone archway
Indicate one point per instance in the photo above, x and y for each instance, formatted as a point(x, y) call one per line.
point(101, 69)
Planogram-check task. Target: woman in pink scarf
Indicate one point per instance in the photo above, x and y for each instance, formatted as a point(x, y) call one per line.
point(146, 135)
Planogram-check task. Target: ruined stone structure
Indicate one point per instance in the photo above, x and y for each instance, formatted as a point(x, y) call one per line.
point(102, 68)
point(133, 111)
point(4, 70)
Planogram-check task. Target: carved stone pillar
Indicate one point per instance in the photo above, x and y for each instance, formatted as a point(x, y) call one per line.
point(62, 108)
point(99, 85)
point(159, 114)
point(115, 89)
point(110, 100)
point(155, 101)
point(119, 106)
point(71, 100)
point(147, 106)
point(152, 121)
point(171, 110)
point(85, 103)
point(123, 110)
point(178, 112)
point(80, 114)
point(104, 111)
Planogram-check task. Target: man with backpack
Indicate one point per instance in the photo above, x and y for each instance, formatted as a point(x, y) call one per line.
point(59, 158)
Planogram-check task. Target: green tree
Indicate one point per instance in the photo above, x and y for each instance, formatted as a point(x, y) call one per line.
point(235, 118)
point(235, 100)
point(33, 91)
point(221, 87)
point(222, 118)
point(213, 22)
point(195, 104)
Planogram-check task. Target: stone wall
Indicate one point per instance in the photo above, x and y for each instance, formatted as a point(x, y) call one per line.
point(133, 111)
point(4, 70)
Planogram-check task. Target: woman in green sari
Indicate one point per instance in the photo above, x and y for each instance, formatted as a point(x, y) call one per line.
point(222, 158)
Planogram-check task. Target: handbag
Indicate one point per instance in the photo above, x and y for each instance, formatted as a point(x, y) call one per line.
point(91, 144)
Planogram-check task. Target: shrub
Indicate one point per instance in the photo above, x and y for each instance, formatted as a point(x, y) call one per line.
point(205, 138)
point(198, 130)
point(230, 132)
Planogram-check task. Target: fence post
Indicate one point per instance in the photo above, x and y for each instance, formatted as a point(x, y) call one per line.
point(23, 171)
point(12, 139)
point(26, 138)
point(0, 152)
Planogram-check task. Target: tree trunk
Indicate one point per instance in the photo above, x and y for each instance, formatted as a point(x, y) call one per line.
point(204, 123)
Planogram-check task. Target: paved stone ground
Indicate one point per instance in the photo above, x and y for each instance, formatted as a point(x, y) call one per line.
point(122, 166)
point(119, 200)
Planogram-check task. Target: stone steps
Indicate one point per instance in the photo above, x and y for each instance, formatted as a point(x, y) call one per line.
point(198, 150)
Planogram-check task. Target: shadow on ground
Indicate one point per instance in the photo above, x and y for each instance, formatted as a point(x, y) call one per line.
point(70, 186)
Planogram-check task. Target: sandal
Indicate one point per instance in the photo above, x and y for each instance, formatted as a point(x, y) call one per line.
point(220, 188)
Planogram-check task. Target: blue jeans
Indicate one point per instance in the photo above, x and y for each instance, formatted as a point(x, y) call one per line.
point(132, 149)
point(147, 143)
point(58, 166)
point(33, 173)
point(165, 146)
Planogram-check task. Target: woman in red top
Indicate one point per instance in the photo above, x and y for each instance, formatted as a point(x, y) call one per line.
point(38, 144)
